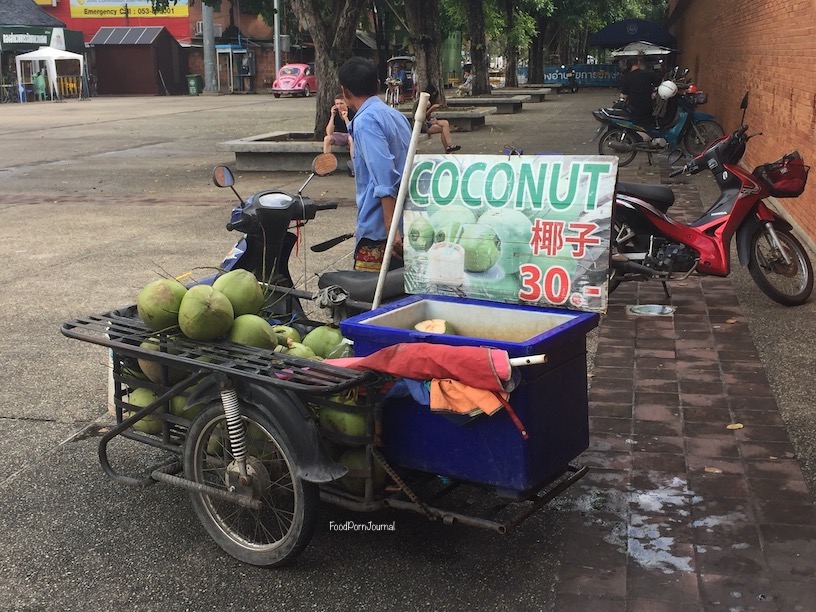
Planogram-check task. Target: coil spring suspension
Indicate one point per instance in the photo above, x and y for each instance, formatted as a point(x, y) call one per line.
point(235, 427)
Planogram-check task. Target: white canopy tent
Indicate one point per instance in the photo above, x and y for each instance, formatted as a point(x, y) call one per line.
point(50, 56)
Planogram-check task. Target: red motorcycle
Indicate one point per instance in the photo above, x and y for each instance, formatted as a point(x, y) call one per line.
point(649, 244)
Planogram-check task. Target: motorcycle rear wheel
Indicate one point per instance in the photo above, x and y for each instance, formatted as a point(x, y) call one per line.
point(787, 284)
point(621, 137)
point(277, 532)
point(700, 135)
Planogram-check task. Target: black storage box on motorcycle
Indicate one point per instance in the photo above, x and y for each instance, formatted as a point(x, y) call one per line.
point(551, 400)
point(786, 177)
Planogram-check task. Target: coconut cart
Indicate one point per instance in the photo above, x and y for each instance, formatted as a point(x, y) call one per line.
point(259, 438)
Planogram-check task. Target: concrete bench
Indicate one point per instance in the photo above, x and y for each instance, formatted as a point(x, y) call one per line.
point(279, 151)
point(505, 105)
point(536, 95)
point(462, 120)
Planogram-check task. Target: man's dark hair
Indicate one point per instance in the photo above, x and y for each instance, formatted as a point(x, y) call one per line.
point(631, 62)
point(359, 76)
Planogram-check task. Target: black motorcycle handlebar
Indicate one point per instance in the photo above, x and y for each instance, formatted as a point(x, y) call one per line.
point(325, 205)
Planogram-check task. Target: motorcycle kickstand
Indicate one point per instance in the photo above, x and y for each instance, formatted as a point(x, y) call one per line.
point(649, 156)
point(666, 290)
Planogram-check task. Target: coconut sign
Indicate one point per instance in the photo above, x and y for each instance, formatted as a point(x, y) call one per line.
point(527, 230)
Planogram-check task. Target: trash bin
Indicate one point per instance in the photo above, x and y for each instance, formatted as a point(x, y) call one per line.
point(195, 84)
point(551, 400)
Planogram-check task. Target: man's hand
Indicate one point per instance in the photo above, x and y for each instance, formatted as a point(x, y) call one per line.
point(389, 205)
point(396, 248)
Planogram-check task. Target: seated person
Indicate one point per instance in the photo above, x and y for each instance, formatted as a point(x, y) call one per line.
point(399, 73)
point(637, 91)
point(467, 86)
point(337, 127)
point(432, 125)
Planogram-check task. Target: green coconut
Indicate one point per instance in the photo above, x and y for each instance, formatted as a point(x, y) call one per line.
point(152, 369)
point(215, 443)
point(133, 372)
point(354, 459)
point(300, 350)
point(421, 234)
point(342, 422)
point(158, 303)
point(179, 407)
point(205, 313)
point(243, 291)
point(342, 350)
point(482, 246)
point(284, 331)
point(142, 398)
point(514, 231)
point(323, 340)
point(447, 221)
point(252, 330)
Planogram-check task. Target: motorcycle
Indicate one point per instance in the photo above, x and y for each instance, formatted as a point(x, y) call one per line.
point(624, 136)
point(649, 244)
point(270, 221)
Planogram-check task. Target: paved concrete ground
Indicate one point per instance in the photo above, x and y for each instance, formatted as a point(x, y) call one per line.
point(98, 197)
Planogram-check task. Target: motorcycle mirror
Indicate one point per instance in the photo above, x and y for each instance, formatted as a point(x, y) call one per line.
point(744, 107)
point(223, 177)
point(324, 164)
point(675, 156)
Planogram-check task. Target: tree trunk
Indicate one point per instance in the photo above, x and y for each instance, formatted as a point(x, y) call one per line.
point(535, 62)
point(539, 50)
point(478, 47)
point(422, 18)
point(511, 51)
point(383, 53)
point(333, 27)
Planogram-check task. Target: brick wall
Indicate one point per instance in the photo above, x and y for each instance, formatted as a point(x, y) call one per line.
point(769, 48)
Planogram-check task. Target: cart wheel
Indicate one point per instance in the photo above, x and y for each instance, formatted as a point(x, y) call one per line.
point(276, 533)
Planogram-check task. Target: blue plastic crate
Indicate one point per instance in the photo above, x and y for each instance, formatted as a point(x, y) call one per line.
point(551, 401)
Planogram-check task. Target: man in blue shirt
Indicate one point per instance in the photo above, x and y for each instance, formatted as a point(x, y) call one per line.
point(381, 137)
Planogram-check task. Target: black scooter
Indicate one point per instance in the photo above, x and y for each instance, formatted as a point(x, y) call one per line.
point(269, 220)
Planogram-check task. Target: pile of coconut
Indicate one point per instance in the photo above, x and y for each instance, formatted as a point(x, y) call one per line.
point(230, 309)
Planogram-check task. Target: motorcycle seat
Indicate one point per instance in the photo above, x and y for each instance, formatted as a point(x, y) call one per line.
point(617, 113)
point(660, 196)
point(361, 286)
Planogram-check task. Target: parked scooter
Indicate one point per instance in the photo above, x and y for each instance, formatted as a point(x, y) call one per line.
point(270, 220)
point(648, 244)
point(624, 136)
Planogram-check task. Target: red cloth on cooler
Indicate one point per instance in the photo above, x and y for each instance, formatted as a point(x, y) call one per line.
point(475, 366)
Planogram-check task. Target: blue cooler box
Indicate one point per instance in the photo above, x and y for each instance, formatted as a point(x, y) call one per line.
point(551, 400)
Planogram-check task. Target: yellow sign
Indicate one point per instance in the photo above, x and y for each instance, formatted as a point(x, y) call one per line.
point(112, 9)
